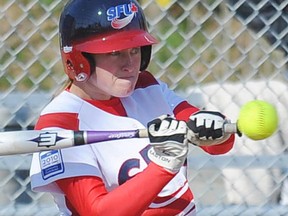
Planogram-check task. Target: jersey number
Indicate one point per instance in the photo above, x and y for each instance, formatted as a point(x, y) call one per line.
point(131, 164)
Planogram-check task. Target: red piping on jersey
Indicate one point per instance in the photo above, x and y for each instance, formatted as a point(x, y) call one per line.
point(67, 121)
point(174, 208)
point(165, 198)
point(146, 79)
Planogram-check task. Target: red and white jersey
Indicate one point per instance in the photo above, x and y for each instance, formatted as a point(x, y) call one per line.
point(113, 161)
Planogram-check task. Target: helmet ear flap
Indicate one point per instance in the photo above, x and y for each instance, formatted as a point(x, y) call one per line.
point(91, 61)
point(145, 57)
point(76, 66)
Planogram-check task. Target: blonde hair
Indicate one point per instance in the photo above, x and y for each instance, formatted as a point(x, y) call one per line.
point(66, 85)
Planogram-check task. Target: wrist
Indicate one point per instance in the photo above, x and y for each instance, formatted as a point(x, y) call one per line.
point(170, 163)
point(161, 169)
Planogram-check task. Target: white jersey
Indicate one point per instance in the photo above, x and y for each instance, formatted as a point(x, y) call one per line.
point(113, 161)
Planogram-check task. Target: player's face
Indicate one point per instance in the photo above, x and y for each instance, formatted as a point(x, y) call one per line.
point(117, 72)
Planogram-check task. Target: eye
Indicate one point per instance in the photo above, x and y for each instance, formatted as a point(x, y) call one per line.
point(114, 53)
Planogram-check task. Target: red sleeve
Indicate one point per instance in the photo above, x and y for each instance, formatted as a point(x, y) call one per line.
point(221, 148)
point(184, 110)
point(88, 194)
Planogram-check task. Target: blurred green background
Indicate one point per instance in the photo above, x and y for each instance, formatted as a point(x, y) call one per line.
point(195, 47)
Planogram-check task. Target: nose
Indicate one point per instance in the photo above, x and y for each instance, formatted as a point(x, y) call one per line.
point(127, 62)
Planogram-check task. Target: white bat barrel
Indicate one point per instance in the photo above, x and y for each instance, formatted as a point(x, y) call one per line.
point(20, 142)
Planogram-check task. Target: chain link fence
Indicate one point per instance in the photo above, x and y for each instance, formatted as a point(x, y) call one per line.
point(218, 54)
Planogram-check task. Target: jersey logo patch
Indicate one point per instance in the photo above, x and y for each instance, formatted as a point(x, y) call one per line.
point(126, 11)
point(51, 163)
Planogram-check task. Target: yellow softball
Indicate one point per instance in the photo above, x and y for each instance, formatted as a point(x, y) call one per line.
point(258, 119)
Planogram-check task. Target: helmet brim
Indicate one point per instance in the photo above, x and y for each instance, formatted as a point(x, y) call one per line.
point(115, 42)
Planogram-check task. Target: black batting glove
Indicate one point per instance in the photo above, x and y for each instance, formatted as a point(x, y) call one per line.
point(207, 128)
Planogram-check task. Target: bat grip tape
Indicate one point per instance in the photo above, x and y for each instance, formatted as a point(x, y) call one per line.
point(79, 138)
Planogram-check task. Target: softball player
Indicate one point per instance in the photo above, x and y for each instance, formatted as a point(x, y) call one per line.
point(106, 49)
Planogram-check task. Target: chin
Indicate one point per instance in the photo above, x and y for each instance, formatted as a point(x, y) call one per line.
point(124, 93)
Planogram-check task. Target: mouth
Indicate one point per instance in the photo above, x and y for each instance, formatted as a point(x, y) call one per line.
point(126, 77)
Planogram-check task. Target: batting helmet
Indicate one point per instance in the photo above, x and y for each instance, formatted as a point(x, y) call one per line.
point(91, 27)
